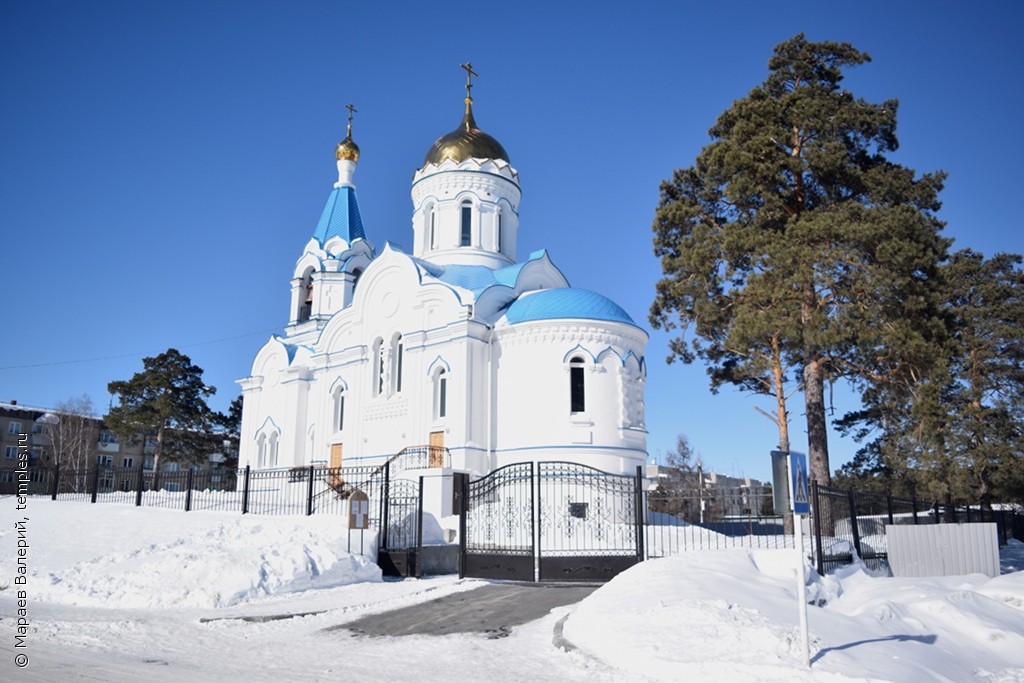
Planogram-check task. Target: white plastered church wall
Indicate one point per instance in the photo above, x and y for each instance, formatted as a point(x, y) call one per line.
point(534, 416)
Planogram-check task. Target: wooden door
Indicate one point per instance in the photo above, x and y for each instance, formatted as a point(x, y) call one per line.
point(436, 449)
point(334, 479)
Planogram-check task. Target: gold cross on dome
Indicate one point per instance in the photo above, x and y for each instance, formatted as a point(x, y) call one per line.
point(468, 66)
point(351, 111)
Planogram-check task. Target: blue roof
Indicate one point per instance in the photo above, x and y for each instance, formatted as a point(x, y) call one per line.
point(340, 217)
point(552, 304)
point(478, 278)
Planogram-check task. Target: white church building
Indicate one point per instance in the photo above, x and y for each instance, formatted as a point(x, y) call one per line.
point(460, 344)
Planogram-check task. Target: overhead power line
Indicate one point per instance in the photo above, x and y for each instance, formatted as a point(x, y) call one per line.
point(138, 354)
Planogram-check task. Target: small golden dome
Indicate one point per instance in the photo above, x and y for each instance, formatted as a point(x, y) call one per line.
point(465, 142)
point(347, 148)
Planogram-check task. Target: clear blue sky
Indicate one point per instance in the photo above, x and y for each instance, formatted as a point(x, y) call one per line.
point(164, 163)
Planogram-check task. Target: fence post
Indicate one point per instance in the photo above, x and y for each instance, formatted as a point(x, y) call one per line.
point(816, 510)
point(309, 493)
point(56, 481)
point(888, 504)
point(937, 513)
point(853, 522)
point(913, 505)
point(464, 485)
point(95, 481)
point(639, 514)
point(535, 486)
point(188, 490)
point(383, 541)
point(419, 532)
point(138, 487)
point(245, 491)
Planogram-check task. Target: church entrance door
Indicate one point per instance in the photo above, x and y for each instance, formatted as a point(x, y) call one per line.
point(436, 455)
point(334, 479)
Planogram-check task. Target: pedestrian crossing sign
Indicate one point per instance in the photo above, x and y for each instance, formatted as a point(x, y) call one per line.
point(798, 487)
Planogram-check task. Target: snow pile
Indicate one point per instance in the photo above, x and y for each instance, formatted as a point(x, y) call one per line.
point(732, 615)
point(115, 556)
point(716, 611)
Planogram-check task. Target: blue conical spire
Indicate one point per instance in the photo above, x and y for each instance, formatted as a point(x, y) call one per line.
point(340, 217)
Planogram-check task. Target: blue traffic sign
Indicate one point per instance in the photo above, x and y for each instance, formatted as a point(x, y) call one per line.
point(799, 498)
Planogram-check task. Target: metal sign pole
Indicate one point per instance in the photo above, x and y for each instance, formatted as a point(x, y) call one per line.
point(800, 503)
point(801, 588)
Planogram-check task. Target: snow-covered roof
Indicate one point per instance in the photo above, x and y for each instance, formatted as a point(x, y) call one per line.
point(478, 278)
point(567, 302)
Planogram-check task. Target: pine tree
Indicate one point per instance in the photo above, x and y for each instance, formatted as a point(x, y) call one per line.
point(958, 434)
point(793, 241)
point(166, 400)
point(985, 392)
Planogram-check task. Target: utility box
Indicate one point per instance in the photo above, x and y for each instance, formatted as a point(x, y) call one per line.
point(943, 549)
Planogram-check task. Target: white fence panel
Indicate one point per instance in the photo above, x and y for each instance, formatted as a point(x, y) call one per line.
point(943, 549)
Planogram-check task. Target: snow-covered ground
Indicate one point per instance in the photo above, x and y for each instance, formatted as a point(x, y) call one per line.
point(119, 593)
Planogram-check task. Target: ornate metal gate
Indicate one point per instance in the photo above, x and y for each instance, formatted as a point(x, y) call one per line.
point(559, 521)
point(401, 528)
point(497, 525)
point(590, 522)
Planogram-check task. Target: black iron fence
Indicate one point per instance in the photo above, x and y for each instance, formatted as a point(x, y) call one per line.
point(843, 525)
point(300, 490)
point(848, 524)
point(712, 518)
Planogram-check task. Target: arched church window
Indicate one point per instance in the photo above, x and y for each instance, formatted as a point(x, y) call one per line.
point(355, 277)
point(577, 387)
point(261, 452)
point(440, 394)
point(398, 364)
point(433, 228)
point(378, 367)
point(467, 222)
point(339, 409)
point(272, 455)
point(306, 294)
point(497, 233)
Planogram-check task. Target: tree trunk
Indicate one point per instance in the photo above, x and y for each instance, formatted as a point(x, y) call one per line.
point(157, 452)
point(782, 414)
point(817, 430)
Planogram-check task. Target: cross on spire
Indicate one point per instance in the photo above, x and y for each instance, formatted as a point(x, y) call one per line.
point(351, 110)
point(468, 66)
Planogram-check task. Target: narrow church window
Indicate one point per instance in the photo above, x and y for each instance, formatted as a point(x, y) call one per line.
point(433, 228)
point(355, 277)
point(577, 403)
point(339, 410)
point(378, 366)
point(497, 237)
point(272, 457)
point(441, 397)
point(306, 302)
point(261, 452)
point(467, 219)
point(398, 365)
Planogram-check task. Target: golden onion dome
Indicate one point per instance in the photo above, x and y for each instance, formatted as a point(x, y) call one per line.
point(465, 142)
point(347, 148)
